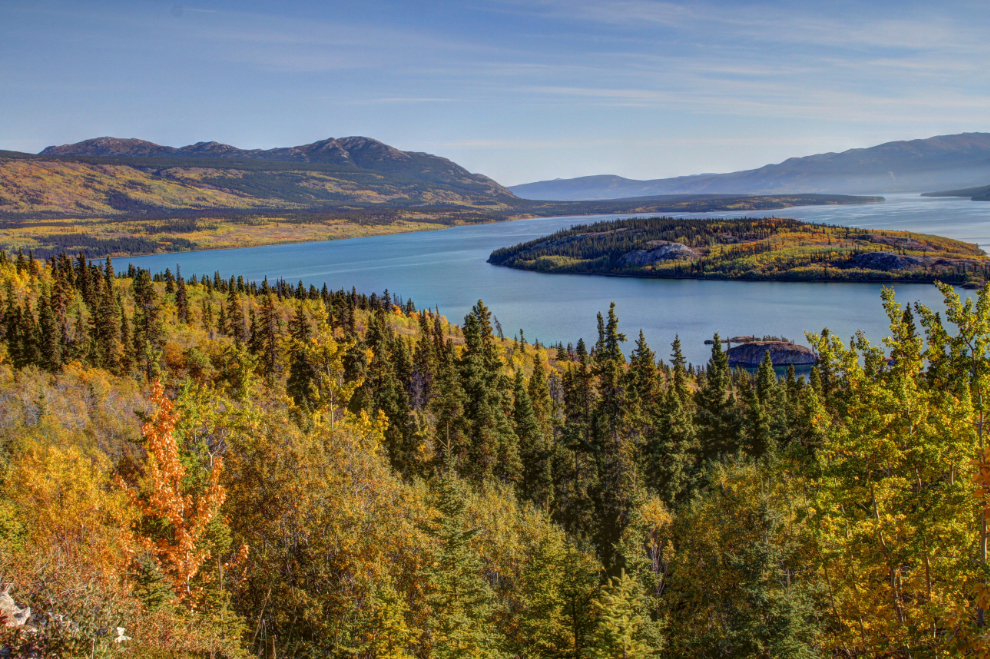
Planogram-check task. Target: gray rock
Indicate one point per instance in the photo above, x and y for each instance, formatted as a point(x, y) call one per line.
point(781, 353)
point(887, 261)
point(662, 252)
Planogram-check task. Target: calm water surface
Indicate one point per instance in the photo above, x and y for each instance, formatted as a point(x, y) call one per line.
point(447, 269)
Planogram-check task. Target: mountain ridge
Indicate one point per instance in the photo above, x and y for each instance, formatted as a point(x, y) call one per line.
point(957, 161)
point(349, 153)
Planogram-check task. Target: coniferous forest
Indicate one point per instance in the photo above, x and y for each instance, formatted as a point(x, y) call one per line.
point(209, 467)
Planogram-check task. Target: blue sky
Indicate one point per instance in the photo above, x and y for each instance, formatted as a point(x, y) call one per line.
point(520, 90)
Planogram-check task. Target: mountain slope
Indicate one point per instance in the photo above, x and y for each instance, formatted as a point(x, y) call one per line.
point(947, 161)
point(980, 193)
point(347, 156)
point(110, 196)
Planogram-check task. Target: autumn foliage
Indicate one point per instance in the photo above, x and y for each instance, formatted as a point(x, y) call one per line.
point(164, 502)
point(230, 469)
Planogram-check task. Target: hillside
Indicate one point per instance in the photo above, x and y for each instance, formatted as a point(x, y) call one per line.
point(230, 469)
point(124, 196)
point(749, 248)
point(981, 193)
point(945, 161)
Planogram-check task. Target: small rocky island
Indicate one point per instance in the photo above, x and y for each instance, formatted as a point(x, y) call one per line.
point(782, 353)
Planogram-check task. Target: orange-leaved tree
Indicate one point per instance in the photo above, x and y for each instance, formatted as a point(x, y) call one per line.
point(179, 518)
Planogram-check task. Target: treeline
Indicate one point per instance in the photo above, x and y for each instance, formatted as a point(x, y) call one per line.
point(320, 473)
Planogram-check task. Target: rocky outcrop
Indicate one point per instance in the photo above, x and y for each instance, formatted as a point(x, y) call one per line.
point(782, 353)
point(13, 615)
point(662, 252)
point(887, 261)
point(900, 242)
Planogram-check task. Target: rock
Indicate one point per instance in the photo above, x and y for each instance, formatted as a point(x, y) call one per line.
point(887, 261)
point(662, 252)
point(901, 242)
point(782, 353)
point(13, 615)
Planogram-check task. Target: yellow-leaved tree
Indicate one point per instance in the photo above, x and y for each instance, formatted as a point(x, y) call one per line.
point(893, 504)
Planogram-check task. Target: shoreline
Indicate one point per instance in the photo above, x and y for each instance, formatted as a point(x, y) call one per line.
point(741, 279)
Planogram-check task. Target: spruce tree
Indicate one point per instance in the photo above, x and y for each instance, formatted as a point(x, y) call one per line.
point(536, 484)
point(50, 348)
point(494, 447)
point(716, 419)
point(670, 452)
point(539, 396)
point(559, 585)
point(269, 332)
point(777, 614)
point(181, 299)
point(461, 601)
point(617, 488)
point(301, 372)
point(623, 622)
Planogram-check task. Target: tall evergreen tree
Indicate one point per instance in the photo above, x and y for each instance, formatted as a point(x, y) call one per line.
point(181, 297)
point(623, 621)
point(617, 489)
point(461, 601)
point(536, 484)
point(494, 447)
point(50, 348)
point(716, 418)
point(268, 331)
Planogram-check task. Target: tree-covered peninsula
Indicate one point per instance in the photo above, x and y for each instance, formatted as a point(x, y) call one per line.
point(195, 466)
point(747, 248)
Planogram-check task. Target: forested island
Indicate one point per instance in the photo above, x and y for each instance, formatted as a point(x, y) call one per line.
point(748, 248)
point(196, 466)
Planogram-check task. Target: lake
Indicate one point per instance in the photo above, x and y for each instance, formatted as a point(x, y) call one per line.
point(447, 269)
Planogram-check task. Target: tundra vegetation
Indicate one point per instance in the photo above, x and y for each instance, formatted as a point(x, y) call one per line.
point(231, 469)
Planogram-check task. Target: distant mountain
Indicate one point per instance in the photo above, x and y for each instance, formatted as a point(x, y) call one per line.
point(346, 153)
point(947, 161)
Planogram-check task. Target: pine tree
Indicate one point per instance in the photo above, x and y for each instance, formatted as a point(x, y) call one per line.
point(460, 600)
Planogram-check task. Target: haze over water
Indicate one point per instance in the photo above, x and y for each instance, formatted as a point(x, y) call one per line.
point(448, 269)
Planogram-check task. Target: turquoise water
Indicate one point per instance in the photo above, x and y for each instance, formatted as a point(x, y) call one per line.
point(447, 269)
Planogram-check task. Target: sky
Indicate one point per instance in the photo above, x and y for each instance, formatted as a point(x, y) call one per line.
point(519, 90)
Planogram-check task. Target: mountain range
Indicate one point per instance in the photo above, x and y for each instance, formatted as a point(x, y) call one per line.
point(111, 196)
point(945, 161)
